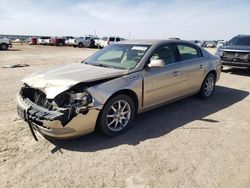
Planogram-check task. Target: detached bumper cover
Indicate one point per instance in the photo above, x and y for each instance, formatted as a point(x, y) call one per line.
point(36, 112)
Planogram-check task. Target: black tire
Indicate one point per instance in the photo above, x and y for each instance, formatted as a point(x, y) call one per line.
point(207, 88)
point(80, 45)
point(103, 120)
point(4, 46)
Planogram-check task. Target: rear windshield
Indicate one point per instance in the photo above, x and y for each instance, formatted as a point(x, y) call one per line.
point(240, 41)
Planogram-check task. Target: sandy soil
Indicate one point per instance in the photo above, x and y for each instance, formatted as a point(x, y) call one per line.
point(190, 143)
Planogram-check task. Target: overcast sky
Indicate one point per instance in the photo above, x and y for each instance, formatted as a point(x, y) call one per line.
point(144, 19)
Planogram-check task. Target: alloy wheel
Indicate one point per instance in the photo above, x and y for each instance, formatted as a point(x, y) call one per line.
point(209, 86)
point(118, 115)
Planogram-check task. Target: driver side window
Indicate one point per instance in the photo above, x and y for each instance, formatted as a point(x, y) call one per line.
point(165, 53)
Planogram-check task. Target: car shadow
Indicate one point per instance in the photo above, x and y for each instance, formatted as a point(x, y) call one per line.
point(158, 122)
point(238, 71)
point(11, 50)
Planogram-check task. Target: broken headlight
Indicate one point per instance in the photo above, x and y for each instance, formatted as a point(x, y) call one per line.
point(80, 102)
point(71, 103)
point(80, 98)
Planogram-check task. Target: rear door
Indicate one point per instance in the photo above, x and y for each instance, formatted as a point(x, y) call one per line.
point(191, 67)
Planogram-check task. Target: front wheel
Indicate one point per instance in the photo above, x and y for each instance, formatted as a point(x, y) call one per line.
point(207, 87)
point(3, 46)
point(117, 115)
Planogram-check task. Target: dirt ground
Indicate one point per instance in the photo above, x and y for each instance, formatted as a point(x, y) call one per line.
point(190, 143)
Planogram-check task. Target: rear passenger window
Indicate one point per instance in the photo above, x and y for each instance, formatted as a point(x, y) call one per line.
point(188, 52)
point(117, 39)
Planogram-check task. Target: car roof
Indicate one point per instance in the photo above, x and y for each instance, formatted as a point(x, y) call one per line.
point(153, 42)
point(243, 35)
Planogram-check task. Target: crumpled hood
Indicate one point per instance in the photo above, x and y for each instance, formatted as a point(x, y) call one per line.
point(56, 80)
point(236, 48)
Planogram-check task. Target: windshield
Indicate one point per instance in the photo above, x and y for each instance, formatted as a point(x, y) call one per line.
point(240, 41)
point(121, 56)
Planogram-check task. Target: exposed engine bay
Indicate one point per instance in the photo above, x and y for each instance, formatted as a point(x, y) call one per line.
point(63, 107)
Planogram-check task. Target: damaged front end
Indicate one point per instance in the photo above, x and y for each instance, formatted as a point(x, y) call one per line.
point(58, 117)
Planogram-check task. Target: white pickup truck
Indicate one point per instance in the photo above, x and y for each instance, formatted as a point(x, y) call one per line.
point(5, 44)
point(105, 41)
point(43, 40)
point(80, 42)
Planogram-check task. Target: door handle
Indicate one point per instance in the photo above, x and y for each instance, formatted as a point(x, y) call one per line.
point(202, 66)
point(176, 73)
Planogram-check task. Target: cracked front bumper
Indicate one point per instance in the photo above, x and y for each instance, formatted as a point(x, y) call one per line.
point(48, 122)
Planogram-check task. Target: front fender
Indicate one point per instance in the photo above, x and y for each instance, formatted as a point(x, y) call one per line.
point(102, 92)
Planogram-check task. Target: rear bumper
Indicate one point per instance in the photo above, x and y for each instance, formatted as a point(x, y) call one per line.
point(48, 122)
point(235, 64)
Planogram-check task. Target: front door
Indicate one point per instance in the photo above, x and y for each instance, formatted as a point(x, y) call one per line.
point(161, 84)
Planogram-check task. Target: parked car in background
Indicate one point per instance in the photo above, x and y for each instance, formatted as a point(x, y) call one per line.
point(211, 44)
point(97, 40)
point(43, 40)
point(57, 41)
point(68, 39)
point(32, 41)
point(236, 52)
point(221, 43)
point(87, 41)
point(17, 41)
point(105, 41)
point(5, 44)
point(110, 87)
point(198, 42)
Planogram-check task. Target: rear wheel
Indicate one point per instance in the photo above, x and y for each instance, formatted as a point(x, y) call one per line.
point(4, 46)
point(117, 115)
point(80, 45)
point(207, 87)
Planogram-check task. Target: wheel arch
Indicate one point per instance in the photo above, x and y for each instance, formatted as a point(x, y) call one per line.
point(213, 72)
point(209, 72)
point(80, 44)
point(129, 93)
point(4, 43)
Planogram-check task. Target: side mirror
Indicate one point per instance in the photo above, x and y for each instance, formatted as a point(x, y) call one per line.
point(156, 63)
